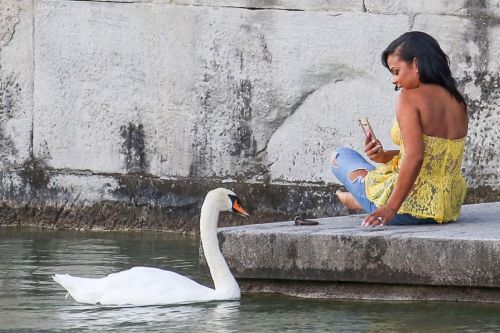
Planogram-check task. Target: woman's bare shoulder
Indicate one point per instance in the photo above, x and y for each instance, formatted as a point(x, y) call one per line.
point(429, 96)
point(408, 99)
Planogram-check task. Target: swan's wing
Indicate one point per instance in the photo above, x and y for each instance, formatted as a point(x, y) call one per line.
point(136, 286)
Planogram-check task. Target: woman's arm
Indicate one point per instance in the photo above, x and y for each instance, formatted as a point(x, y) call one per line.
point(411, 129)
point(390, 154)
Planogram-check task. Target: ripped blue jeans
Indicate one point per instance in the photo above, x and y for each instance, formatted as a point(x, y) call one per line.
point(347, 161)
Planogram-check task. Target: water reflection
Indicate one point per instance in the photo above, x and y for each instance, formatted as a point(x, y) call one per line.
point(213, 317)
point(31, 302)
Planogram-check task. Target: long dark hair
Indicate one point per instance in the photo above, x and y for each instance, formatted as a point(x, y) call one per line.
point(433, 63)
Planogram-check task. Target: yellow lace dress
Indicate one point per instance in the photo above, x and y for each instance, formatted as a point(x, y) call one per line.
point(439, 189)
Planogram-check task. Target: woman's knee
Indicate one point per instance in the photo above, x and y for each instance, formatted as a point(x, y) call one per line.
point(337, 153)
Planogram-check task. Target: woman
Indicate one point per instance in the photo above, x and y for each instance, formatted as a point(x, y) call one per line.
point(421, 183)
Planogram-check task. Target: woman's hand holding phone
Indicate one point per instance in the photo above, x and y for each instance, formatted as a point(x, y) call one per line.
point(374, 149)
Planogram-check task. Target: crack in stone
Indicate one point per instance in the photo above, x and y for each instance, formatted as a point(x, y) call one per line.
point(256, 8)
point(252, 8)
point(412, 21)
point(200, 5)
point(106, 1)
point(294, 108)
point(302, 99)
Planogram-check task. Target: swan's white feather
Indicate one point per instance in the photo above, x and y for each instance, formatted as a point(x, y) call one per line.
point(136, 286)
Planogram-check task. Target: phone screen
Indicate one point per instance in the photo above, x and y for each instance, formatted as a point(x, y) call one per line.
point(365, 125)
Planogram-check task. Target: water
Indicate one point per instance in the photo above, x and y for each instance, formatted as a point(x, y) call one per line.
point(31, 302)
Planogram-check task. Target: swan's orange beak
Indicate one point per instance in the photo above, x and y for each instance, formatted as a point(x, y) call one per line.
point(238, 209)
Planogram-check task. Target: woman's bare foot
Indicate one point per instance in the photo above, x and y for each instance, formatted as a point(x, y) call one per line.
point(348, 200)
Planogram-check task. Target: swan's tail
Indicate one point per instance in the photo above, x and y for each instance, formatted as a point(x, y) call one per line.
point(82, 290)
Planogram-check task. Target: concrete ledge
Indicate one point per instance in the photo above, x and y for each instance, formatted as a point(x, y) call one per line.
point(370, 291)
point(464, 254)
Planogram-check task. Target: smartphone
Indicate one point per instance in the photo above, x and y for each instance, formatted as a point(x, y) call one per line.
point(365, 125)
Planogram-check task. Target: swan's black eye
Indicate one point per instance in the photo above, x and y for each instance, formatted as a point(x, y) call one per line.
point(232, 197)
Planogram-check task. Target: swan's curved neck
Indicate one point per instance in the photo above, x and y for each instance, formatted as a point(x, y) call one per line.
point(223, 279)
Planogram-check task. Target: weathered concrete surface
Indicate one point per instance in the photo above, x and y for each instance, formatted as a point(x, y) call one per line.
point(215, 98)
point(464, 254)
point(16, 82)
point(488, 8)
point(41, 197)
point(476, 69)
point(142, 88)
point(370, 291)
point(197, 92)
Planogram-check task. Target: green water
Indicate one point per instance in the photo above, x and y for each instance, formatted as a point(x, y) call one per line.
point(31, 302)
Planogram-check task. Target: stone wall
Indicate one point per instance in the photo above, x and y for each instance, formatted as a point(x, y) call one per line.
point(128, 111)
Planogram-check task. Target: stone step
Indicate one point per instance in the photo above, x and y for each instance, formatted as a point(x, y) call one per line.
point(460, 256)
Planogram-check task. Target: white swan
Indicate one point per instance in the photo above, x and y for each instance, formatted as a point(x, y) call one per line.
point(152, 286)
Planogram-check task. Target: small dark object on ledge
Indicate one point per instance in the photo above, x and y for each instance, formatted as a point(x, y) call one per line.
point(300, 219)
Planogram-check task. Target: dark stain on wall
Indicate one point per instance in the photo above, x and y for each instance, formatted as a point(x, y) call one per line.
point(202, 158)
point(133, 147)
point(482, 142)
point(10, 95)
point(205, 98)
point(224, 124)
point(482, 194)
point(242, 116)
point(478, 8)
point(35, 174)
point(201, 145)
point(266, 54)
point(198, 158)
